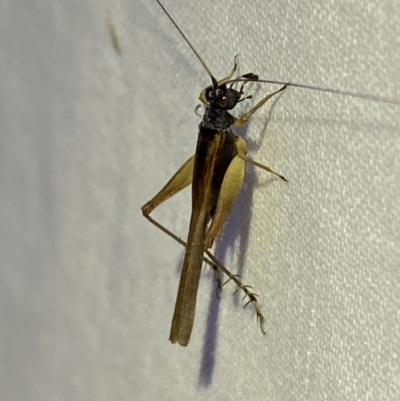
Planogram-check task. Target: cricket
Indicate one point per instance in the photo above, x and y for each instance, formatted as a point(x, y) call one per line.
point(216, 172)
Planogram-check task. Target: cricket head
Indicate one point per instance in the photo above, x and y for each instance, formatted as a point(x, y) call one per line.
point(224, 97)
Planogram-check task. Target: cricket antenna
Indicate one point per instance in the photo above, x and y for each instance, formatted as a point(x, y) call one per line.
point(335, 91)
point(214, 81)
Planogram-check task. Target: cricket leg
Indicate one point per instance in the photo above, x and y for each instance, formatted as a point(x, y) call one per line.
point(245, 288)
point(245, 117)
point(230, 75)
point(230, 188)
point(217, 275)
point(254, 163)
point(181, 179)
point(229, 191)
point(250, 76)
point(241, 145)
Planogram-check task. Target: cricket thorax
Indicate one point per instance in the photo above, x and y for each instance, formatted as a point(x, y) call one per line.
point(216, 119)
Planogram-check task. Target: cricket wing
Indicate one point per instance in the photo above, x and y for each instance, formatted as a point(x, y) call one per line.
point(230, 188)
point(207, 156)
point(185, 306)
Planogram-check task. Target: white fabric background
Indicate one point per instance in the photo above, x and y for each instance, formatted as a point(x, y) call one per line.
point(87, 137)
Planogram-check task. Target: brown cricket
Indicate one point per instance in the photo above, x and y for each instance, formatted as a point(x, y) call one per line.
point(216, 173)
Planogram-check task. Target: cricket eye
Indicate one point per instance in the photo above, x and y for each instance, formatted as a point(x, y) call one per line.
point(222, 101)
point(210, 93)
point(229, 100)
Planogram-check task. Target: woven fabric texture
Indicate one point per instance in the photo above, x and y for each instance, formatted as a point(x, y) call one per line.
point(89, 135)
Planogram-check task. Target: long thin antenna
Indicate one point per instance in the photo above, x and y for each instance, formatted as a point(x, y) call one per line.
point(190, 45)
point(335, 91)
point(296, 85)
point(317, 88)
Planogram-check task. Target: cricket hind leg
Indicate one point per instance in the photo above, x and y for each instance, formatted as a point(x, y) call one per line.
point(230, 188)
point(181, 179)
point(245, 288)
point(217, 275)
point(218, 267)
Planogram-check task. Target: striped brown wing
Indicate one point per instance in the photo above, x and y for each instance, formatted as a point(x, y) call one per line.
point(215, 150)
